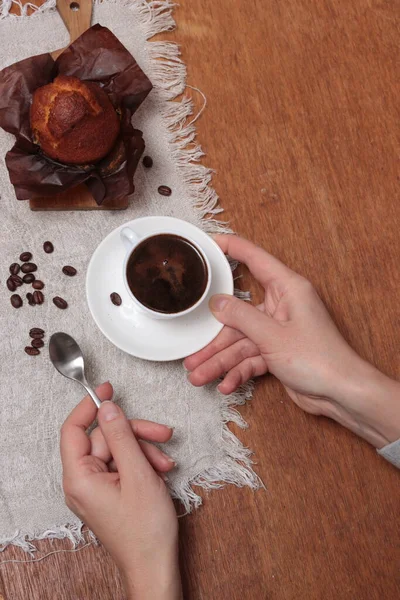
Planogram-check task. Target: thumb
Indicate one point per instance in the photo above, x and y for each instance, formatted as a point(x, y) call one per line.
point(240, 315)
point(123, 445)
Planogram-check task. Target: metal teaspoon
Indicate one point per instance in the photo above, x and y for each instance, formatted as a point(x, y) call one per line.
point(67, 358)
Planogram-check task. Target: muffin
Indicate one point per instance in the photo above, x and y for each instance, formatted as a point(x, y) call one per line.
point(73, 122)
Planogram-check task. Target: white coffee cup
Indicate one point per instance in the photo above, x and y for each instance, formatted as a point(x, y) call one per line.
point(131, 240)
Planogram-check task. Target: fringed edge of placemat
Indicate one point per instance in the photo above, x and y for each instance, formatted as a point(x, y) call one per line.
point(235, 468)
point(77, 533)
point(168, 75)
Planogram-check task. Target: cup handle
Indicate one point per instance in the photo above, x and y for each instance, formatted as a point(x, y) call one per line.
point(129, 238)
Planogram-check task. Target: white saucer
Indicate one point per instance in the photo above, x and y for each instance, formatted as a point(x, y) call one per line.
point(126, 326)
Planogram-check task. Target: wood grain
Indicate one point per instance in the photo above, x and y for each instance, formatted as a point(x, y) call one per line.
point(77, 198)
point(302, 128)
point(77, 17)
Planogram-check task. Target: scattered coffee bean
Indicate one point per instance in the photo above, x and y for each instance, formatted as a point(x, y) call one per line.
point(31, 300)
point(17, 280)
point(36, 332)
point(28, 267)
point(60, 302)
point(25, 256)
point(28, 278)
point(16, 301)
point(14, 268)
point(32, 351)
point(70, 271)
point(37, 343)
point(147, 162)
point(48, 247)
point(11, 284)
point(116, 299)
point(37, 284)
point(164, 190)
point(38, 297)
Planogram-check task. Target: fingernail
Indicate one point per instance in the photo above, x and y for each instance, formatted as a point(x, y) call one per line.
point(169, 459)
point(109, 410)
point(218, 303)
point(163, 476)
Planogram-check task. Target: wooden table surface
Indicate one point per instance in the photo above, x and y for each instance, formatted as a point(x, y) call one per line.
point(302, 127)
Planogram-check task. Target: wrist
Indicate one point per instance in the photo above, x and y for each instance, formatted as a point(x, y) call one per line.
point(158, 578)
point(367, 402)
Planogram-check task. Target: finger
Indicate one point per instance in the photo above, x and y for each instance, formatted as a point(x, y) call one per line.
point(74, 442)
point(160, 461)
point(223, 361)
point(262, 265)
point(124, 447)
point(150, 431)
point(257, 326)
point(249, 368)
point(146, 430)
point(226, 338)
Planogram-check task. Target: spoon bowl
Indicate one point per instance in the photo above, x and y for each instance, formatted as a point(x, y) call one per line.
point(67, 357)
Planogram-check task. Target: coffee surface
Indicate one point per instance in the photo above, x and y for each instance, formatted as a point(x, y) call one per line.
point(166, 273)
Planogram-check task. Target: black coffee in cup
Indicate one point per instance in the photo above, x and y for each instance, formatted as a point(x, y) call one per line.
point(167, 273)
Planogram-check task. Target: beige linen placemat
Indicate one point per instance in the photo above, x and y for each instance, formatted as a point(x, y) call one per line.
point(35, 399)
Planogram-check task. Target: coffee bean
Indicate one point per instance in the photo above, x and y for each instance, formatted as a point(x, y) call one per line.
point(17, 280)
point(36, 332)
point(16, 301)
point(30, 299)
point(25, 256)
point(11, 284)
point(38, 284)
point(14, 268)
point(164, 190)
point(116, 299)
point(38, 297)
point(48, 247)
point(32, 351)
point(28, 278)
point(60, 302)
point(70, 271)
point(28, 267)
point(147, 162)
point(37, 343)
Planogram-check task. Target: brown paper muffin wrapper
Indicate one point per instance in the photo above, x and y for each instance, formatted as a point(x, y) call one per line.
point(96, 56)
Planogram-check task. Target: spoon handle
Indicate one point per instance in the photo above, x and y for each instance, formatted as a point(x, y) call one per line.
point(93, 396)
